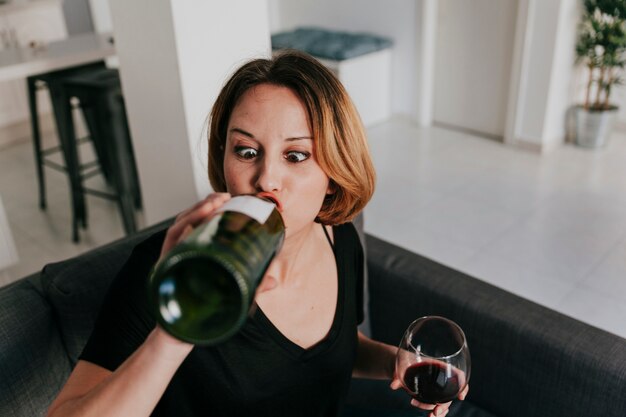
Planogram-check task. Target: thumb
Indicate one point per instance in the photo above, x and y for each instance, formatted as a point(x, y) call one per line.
point(267, 283)
point(186, 232)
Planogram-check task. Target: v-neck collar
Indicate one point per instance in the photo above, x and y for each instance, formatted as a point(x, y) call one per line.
point(327, 341)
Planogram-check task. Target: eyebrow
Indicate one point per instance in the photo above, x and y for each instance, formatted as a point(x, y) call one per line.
point(250, 135)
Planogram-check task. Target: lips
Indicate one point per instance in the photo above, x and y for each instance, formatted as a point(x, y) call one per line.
point(271, 197)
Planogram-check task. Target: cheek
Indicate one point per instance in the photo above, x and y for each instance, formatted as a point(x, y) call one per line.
point(311, 196)
point(236, 176)
point(228, 174)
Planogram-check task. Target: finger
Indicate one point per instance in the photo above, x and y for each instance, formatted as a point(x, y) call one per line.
point(441, 409)
point(268, 283)
point(186, 231)
point(395, 384)
point(198, 214)
point(441, 414)
point(191, 218)
point(212, 202)
point(423, 406)
point(194, 207)
point(463, 393)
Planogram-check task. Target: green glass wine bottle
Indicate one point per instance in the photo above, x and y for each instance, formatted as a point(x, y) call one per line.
point(201, 291)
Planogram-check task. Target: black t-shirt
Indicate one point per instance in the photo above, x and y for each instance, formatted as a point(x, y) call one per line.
point(258, 372)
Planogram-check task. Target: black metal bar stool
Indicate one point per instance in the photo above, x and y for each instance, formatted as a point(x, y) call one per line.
point(101, 101)
point(33, 84)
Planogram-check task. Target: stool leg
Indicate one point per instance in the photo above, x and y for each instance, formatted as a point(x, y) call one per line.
point(130, 153)
point(31, 86)
point(123, 175)
point(65, 128)
point(76, 175)
point(95, 129)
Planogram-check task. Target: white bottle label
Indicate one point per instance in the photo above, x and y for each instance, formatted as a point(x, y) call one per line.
point(251, 206)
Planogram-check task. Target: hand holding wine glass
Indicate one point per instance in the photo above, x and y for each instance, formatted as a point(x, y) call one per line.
point(433, 364)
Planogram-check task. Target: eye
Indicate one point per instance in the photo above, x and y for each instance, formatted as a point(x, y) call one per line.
point(296, 156)
point(245, 152)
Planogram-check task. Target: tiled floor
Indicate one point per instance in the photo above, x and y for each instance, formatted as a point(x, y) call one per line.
point(45, 236)
point(550, 228)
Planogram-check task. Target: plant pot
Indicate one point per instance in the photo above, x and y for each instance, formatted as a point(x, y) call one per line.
point(593, 127)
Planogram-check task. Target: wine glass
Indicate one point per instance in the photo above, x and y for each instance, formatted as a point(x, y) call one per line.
point(433, 360)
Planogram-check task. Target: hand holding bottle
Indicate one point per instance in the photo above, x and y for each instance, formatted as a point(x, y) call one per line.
point(199, 213)
point(202, 288)
point(189, 219)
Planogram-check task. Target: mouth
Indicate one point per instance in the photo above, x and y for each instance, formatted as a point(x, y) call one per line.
point(271, 197)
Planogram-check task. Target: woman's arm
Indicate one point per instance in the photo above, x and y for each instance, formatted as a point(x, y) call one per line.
point(136, 386)
point(132, 390)
point(374, 360)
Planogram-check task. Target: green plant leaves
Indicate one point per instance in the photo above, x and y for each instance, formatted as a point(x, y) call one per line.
point(601, 46)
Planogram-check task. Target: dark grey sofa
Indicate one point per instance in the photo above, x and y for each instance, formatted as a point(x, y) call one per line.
point(528, 361)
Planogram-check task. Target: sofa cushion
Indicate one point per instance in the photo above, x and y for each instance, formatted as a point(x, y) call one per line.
point(330, 44)
point(76, 287)
point(33, 363)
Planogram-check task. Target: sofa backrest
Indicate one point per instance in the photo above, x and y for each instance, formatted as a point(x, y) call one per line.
point(45, 321)
point(527, 360)
point(76, 287)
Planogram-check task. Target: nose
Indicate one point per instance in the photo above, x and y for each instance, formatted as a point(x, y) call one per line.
point(268, 176)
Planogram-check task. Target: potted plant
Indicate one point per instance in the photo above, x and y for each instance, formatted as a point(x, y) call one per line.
point(601, 47)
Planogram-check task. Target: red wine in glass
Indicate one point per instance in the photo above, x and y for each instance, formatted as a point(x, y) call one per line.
point(432, 382)
point(433, 360)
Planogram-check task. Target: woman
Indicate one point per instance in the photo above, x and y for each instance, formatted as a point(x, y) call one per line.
point(284, 129)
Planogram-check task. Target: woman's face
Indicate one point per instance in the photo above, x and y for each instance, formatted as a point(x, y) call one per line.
point(269, 149)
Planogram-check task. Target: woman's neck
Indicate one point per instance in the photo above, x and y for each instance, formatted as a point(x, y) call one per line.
point(295, 255)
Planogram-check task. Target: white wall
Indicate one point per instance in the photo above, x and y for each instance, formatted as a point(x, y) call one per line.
point(619, 98)
point(562, 92)
point(77, 17)
point(210, 46)
point(425, 55)
point(391, 18)
point(174, 57)
point(537, 71)
point(543, 83)
point(101, 15)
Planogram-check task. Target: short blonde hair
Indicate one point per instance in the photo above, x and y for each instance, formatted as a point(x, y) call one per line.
point(339, 137)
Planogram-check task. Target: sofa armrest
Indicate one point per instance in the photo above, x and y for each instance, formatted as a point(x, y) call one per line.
point(33, 360)
point(527, 360)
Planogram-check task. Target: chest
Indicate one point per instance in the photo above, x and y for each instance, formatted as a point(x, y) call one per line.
point(261, 371)
point(304, 314)
point(257, 373)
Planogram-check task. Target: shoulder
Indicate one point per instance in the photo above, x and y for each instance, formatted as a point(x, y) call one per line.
point(146, 252)
point(150, 245)
point(347, 230)
point(125, 317)
point(142, 258)
point(347, 238)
